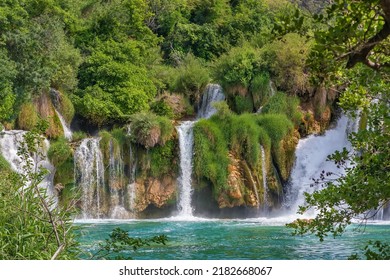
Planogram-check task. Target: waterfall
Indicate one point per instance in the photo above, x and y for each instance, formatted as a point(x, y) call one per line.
point(89, 176)
point(116, 183)
point(131, 191)
point(11, 141)
point(311, 160)
point(213, 93)
point(264, 173)
point(67, 132)
point(186, 142)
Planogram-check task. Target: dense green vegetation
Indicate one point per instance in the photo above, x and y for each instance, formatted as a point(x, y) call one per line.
point(356, 59)
point(132, 68)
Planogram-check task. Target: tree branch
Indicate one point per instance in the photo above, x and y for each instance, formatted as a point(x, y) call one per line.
point(362, 53)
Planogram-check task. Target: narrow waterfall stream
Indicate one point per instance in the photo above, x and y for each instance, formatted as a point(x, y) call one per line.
point(186, 142)
point(213, 93)
point(67, 132)
point(89, 176)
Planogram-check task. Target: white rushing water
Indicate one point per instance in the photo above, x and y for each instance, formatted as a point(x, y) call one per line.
point(213, 93)
point(11, 141)
point(311, 160)
point(186, 143)
point(131, 187)
point(89, 176)
point(67, 132)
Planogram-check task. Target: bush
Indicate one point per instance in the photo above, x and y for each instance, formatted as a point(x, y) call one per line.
point(162, 159)
point(236, 68)
point(78, 136)
point(162, 108)
point(261, 89)
point(59, 151)
point(243, 104)
point(192, 77)
point(149, 130)
point(280, 103)
point(286, 59)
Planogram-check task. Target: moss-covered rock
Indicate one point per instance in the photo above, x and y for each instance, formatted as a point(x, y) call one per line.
point(28, 116)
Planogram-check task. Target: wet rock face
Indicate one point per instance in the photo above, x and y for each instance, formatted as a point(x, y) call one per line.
point(157, 192)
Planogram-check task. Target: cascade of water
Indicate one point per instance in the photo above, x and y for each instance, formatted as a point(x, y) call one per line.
point(116, 183)
point(186, 142)
point(89, 176)
point(213, 93)
point(311, 160)
point(131, 191)
point(264, 173)
point(67, 132)
point(11, 141)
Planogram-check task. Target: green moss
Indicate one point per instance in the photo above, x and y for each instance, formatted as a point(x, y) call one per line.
point(245, 138)
point(66, 108)
point(210, 154)
point(163, 159)
point(276, 125)
point(59, 151)
point(28, 116)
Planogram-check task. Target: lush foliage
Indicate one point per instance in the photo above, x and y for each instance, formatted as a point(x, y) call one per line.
point(150, 130)
point(31, 227)
point(119, 242)
point(356, 59)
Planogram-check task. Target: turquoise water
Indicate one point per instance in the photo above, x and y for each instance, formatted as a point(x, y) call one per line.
point(232, 239)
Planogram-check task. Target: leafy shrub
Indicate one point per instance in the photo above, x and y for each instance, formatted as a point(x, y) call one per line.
point(162, 159)
point(236, 68)
point(260, 89)
point(161, 108)
point(78, 136)
point(149, 130)
point(286, 59)
point(59, 151)
point(243, 104)
point(280, 103)
point(192, 76)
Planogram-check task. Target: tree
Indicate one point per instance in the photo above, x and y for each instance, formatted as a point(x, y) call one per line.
point(354, 47)
point(355, 32)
